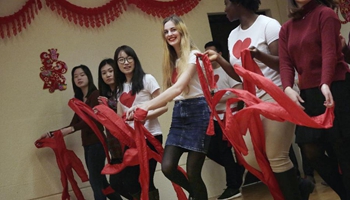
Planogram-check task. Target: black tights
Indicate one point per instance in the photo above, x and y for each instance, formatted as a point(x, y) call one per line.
point(194, 184)
point(328, 165)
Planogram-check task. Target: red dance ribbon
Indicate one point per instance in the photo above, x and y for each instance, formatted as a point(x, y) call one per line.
point(236, 126)
point(134, 139)
point(76, 107)
point(205, 81)
point(67, 160)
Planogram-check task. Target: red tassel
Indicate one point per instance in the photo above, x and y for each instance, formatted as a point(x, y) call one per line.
point(2, 34)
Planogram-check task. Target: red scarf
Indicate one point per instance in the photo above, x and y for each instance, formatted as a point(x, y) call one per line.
point(67, 160)
point(236, 126)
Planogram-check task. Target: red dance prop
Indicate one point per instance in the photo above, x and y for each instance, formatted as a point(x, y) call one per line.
point(236, 126)
point(138, 153)
point(67, 160)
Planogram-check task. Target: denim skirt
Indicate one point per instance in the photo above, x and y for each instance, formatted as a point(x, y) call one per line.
point(189, 125)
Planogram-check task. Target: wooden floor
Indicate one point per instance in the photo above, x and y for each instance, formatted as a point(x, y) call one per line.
point(260, 191)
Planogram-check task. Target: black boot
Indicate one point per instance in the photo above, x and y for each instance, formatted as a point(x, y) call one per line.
point(289, 185)
point(306, 187)
point(136, 196)
point(154, 194)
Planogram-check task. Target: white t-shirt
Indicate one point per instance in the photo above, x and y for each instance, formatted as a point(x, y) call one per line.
point(127, 100)
point(223, 81)
point(260, 34)
point(194, 86)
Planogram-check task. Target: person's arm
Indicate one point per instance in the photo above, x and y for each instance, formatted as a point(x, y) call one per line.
point(215, 56)
point(287, 70)
point(169, 94)
point(329, 31)
point(270, 60)
point(159, 111)
point(119, 109)
point(229, 95)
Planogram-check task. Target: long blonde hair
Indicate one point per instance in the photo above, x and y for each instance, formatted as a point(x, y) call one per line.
point(170, 56)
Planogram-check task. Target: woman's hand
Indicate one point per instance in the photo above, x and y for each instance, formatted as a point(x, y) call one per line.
point(46, 135)
point(102, 100)
point(130, 113)
point(292, 94)
point(327, 95)
point(212, 55)
point(254, 51)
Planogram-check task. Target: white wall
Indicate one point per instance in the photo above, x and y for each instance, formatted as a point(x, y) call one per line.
point(27, 110)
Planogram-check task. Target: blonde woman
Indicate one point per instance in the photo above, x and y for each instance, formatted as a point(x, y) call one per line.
point(190, 113)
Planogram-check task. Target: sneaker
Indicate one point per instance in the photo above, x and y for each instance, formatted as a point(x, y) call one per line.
point(230, 193)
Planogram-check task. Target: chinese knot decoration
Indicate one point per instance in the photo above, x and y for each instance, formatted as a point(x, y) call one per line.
point(52, 71)
point(91, 17)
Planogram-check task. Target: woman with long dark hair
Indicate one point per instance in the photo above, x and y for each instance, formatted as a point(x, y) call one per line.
point(134, 87)
point(86, 91)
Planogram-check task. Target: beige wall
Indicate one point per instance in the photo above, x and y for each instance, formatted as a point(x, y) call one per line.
point(27, 110)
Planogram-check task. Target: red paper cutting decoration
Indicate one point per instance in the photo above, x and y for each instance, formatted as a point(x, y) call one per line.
point(344, 7)
point(88, 17)
point(91, 17)
point(165, 8)
point(19, 19)
point(52, 71)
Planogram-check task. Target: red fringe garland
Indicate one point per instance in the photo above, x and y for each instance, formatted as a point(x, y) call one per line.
point(20, 19)
point(88, 17)
point(165, 8)
point(91, 17)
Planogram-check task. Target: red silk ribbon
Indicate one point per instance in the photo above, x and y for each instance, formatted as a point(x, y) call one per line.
point(67, 160)
point(236, 126)
point(138, 153)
